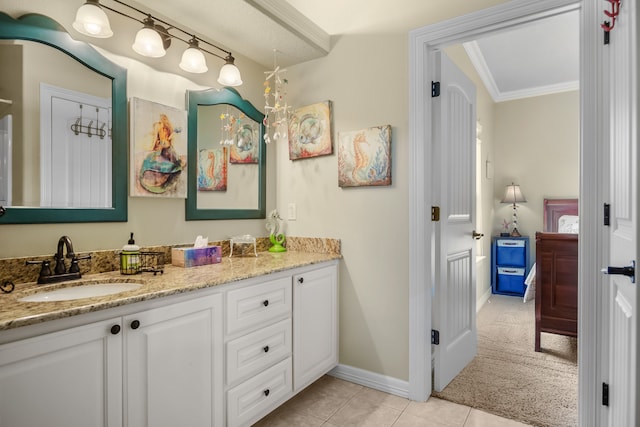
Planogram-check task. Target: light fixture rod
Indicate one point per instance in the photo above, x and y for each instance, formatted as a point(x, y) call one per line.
point(170, 26)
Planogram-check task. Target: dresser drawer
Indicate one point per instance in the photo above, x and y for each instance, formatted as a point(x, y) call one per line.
point(259, 395)
point(510, 252)
point(254, 352)
point(258, 305)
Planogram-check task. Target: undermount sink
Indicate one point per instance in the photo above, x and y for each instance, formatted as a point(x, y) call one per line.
point(81, 291)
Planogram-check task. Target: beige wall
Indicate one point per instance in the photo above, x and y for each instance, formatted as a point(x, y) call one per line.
point(537, 145)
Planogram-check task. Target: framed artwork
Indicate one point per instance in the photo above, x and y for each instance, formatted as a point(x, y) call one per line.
point(246, 144)
point(310, 131)
point(364, 157)
point(212, 169)
point(158, 150)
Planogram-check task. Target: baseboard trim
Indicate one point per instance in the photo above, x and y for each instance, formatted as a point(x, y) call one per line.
point(483, 299)
point(372, 380)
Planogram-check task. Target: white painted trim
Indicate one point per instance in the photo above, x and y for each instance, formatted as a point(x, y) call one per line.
point(480, 302)
point(291, 19)
point(479, 63)
point(372, 380)
point(458, 30)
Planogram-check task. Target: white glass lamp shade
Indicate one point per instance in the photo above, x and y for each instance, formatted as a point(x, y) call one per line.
point(193, 60)
point(148, 42)
point(92, 21)
point(229, 73)
point(513, 194)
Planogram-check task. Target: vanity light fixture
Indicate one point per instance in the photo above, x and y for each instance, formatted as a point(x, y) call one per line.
point(193, 59)
point(148, 40)
point(92, 21)
point(153, 39)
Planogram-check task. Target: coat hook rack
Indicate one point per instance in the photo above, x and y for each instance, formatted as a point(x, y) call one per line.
point(607, 26)
point(90, 130)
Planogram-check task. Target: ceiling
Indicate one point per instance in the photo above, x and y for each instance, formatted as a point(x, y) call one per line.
point(531, 59)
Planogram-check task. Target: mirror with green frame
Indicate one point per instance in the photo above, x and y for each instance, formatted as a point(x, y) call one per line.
point(63, 141)
point(228, 178)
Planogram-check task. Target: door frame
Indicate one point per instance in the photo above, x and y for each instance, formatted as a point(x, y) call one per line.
point(593, 175)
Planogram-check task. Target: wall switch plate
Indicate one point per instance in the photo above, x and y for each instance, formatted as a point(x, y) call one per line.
point(292, 212)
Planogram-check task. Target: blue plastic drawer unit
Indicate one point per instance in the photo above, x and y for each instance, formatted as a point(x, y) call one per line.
point(510, 252)
point(509, 263)
point(510, 280)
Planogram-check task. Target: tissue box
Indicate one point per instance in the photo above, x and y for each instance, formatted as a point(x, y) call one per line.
point(193, 257)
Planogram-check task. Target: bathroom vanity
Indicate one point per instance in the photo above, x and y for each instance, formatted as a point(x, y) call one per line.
point(216, 345)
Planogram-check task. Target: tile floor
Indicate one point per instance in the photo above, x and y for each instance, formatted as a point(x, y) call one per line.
point(331, 402)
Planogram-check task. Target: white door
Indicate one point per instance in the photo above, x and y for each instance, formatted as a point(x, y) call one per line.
point(454, 308)
point(315, 316)
point(173, 365)
point(622, 300)
point(70, 378)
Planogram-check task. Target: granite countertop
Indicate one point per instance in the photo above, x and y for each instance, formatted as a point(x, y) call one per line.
point(174, 280)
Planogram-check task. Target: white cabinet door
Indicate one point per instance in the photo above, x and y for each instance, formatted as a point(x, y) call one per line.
point(315, 325)
point(71, 378)
point(173, 365)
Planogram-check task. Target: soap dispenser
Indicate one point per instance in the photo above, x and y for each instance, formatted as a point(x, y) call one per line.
point(130, 257)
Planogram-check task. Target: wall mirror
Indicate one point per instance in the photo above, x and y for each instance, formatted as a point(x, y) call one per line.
point(63, 127)
point(227, 180)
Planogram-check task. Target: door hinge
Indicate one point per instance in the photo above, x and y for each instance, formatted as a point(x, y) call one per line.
point(607, 210)
point(435, 213)
point(435, 337)
point(605, 394)
point(435, 89)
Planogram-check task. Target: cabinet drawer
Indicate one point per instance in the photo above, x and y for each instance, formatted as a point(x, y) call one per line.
point(258, 305)
point(510, 252)
point(510, 280)
point(258, 350)
point(259, 395)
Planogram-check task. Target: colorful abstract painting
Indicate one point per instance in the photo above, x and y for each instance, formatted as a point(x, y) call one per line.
point(245, 148)
point(158, 150)
point(212, 169)
point(364, 157)
point(310, 131)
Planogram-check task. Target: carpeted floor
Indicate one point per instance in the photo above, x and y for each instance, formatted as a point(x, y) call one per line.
point(508, 378)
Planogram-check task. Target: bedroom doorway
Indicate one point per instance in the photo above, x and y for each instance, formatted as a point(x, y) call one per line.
point(461, 29)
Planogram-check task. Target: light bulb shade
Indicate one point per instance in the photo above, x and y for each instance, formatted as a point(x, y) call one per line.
point(148, 42)
point(92, 21)
point(229, 73)
point(512, 194)
point(193, 59)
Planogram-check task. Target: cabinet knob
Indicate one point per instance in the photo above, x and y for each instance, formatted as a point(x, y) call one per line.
point(135, 324)
point(115, 329)
point(266, 392)
point(266, 349)
point(301, 280)
point(265, 302)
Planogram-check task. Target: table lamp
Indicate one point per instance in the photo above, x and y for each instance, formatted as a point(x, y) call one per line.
point(513, 195)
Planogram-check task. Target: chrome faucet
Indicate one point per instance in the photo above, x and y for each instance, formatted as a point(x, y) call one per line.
point(60, 272)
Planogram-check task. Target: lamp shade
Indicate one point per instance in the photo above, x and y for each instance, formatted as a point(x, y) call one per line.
point(513, 194)
point(193, 59)
point(148, 42)
point(229, 73)
point(92, 21)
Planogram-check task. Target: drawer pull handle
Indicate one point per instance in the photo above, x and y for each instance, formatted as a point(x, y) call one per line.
point(135, 324)
point(115, 329)
point(266, 392)
point(266, 349)
point(301, 280)
point(265, 302)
